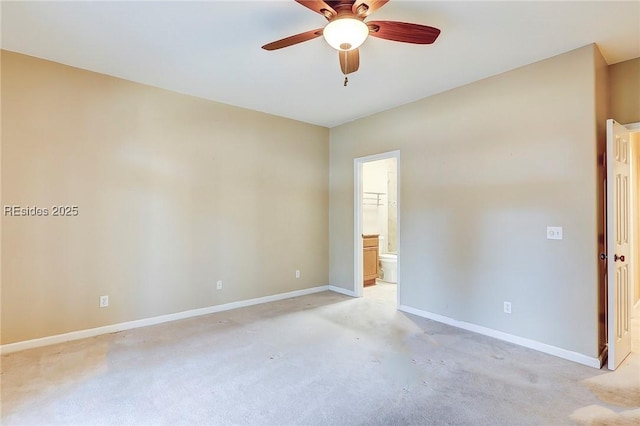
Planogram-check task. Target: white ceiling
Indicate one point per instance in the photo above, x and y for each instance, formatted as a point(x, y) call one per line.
point(211, 49)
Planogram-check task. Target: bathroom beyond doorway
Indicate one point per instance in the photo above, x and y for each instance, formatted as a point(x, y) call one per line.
point(377, 218)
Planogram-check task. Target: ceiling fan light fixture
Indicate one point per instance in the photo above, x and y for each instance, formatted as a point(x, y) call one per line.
point(345, 33)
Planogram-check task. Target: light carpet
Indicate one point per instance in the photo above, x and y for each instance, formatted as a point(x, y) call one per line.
point(321, 359)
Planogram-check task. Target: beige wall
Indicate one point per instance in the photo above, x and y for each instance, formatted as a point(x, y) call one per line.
point(624, 80)
point(484, 169)
point(173, 192)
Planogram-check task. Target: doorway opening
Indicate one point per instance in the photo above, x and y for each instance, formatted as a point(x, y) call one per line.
point(635, 214)
point(377, 226)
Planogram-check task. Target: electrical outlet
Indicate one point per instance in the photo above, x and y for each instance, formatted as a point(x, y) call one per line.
point(104, 301)
point(507, 307)
point(219, 285)
point(554, 232)
point(297, 273)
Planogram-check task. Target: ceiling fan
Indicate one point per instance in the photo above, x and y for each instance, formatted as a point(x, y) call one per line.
point(346, 30)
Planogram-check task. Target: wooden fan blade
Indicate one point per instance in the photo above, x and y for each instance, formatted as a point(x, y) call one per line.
point(349, 61)
point(294, 39)
point(365, 8)
point(320, 7)
point(403, 32)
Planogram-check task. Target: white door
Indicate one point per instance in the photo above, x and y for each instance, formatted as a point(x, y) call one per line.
point(618, 247)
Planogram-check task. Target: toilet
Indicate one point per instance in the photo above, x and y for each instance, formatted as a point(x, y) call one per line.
point(389, 266)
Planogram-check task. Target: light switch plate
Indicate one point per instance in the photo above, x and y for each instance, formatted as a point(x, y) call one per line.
point(554, 232)
point(104, 301)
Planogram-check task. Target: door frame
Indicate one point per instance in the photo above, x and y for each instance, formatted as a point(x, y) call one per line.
point(358, 285)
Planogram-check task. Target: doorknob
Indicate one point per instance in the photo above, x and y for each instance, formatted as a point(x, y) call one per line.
point(616, 258)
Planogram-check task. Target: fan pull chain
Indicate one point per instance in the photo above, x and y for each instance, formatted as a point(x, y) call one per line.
point(346, 67)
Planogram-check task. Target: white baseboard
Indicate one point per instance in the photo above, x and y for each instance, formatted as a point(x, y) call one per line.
point(342, 290)
point(528, 343)
point(114, 328)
